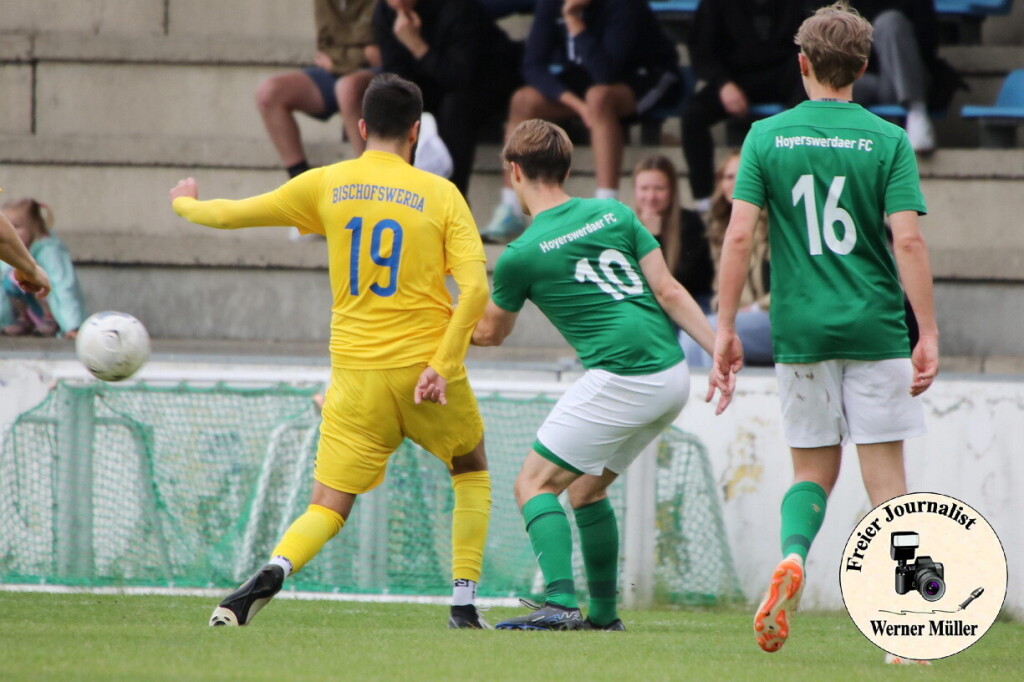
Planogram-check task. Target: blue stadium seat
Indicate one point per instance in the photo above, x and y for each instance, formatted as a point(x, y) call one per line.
point(966, 16)
point(999, 122)
point(679, 6)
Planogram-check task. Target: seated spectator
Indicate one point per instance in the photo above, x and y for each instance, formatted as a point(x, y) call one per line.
point(342, 33)
point(752, 322)
point(680, 232)
point(463, 63)
point(63, 311)
point(904, 67)
point(498, 9)
point(743, 50)
point(600, 60)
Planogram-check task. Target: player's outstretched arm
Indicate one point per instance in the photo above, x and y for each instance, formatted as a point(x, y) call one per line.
point(29, 275)
point(495, 326)
point(911, 254)
point(679, 305)
point(227, 214)
point(471, 278)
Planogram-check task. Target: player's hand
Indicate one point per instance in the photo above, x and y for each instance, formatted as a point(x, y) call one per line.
point(35, 282)
point(925, 359)
point(185, 188)
point(431, 386)
point(323, 61)
point(728, 360)
point(733, 99)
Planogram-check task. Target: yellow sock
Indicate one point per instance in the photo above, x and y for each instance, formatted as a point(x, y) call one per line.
point(469, 523)
point(308, 534)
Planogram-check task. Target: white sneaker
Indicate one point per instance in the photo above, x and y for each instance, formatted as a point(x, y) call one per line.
point(920, 132)
point(771, 622)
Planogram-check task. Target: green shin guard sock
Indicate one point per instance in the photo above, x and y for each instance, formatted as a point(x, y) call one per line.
point(599, 538)
point(803, 510)
point(551, 539)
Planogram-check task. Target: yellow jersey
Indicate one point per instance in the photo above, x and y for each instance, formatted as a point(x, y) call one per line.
point(393, 233)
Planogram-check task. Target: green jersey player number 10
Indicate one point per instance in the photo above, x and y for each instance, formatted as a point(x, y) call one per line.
point(804, 190)
point(390, 261)
point(611, 284)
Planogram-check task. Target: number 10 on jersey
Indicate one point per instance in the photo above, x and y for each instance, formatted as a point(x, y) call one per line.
point(391, 261)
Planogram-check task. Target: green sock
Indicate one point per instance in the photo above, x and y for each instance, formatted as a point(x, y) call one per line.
point(599, 538)
point(552, 543)
point(803, 510)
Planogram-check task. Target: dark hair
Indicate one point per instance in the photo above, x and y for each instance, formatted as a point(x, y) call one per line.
point(541, 149)
point(391, 106)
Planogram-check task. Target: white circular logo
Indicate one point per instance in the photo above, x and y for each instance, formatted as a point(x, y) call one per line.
point(923, 576)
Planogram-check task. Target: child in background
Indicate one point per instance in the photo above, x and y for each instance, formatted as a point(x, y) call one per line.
point(64, 310)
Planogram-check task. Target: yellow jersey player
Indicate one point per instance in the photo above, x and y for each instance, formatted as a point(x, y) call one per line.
point(397, 348)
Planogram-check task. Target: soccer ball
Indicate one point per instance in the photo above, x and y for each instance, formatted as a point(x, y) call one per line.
point(112, 346)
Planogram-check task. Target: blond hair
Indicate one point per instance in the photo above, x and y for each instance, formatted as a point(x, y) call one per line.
point(39, 216)
point(541, 149)
point(837, 42)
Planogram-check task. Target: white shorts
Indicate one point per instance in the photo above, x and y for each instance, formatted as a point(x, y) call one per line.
point(827, 403)
point(605, 420)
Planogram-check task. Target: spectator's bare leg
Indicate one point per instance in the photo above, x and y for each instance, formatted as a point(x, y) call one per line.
point(527, 102)
point(608, 105)
point(276, 98)
point(350, 89)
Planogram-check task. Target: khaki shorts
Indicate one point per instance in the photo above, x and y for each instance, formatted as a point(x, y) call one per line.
point(368, 413)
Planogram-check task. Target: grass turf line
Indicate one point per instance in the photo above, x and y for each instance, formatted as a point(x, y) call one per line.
point(94, 637)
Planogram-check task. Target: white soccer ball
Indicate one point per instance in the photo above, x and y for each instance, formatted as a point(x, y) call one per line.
point(112, 346)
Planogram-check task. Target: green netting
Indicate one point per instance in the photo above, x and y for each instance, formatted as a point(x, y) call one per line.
point(192, 487)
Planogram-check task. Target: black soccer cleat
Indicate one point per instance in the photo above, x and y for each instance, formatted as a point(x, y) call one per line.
point(615, 626)
point(466, 618)
point(548, 617)
point(241, 606)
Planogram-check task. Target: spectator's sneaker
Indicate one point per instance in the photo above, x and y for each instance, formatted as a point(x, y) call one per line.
point(615, 626)
point(547, 617)
point(466, 617)
point(920, 133)
point(505, 226)
point(23, 327)
point(241, 606)
point(899, 660)
point(771, 622)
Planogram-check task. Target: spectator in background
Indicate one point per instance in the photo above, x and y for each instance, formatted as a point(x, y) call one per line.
point(752, 322)
point(27, 273)
point(680, 232)
point(743, 51)
point(905, 67)
point(601, 60)
point(343, 33)
point(63, 311)
point(464, 64)
point(498, 9)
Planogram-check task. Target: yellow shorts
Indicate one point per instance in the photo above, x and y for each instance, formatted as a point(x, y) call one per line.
point(367, 414)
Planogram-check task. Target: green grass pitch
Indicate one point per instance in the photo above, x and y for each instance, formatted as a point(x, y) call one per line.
point(101, 637)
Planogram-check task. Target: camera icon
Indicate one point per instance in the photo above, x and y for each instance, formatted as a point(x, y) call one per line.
point(923, 575)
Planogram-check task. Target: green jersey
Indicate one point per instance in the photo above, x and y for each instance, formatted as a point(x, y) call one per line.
point(579, 263)
point(828, 172)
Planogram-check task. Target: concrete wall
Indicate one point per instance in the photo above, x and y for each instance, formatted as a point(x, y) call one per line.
point(971, 452)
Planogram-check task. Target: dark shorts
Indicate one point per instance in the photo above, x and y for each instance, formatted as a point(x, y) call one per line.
point(651, 89)
point(324, 82)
